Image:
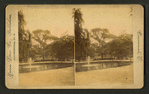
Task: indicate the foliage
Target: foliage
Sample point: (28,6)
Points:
(101,35)
(92,50)
(81,35)
(121,47)
(36,51)
(42,36)
(62,49)
(24,39)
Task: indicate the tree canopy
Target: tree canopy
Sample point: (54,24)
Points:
(61,49)
(41,36)
(120,47)
(101,35)
(24,39)
(81,35)
(80,45)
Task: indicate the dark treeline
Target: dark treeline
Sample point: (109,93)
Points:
(50,47)
(24,39)
(118,47)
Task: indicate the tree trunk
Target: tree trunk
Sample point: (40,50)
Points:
(102,56)
(43,54)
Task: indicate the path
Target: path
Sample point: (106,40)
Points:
(110,76)
(56,77)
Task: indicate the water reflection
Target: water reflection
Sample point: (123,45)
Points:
(41,67)
(80,67)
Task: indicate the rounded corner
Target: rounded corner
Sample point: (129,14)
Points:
(7,86)
(141,86)
(140,6)
(8,6)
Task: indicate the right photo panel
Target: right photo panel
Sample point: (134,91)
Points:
(103,45)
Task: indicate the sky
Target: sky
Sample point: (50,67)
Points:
(59,19)
(116,19)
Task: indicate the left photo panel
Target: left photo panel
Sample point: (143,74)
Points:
(45,46)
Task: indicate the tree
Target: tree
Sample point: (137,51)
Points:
(36,51)
(81,40)
(24,39)
(42,36)
(62,49)
(92,50)
(122,46)
(101,35)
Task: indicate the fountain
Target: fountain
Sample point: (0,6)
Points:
(30,63)
(88,58)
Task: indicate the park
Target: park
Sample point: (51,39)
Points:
(90,55)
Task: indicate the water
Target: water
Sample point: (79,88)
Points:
(44,66)
(81,67)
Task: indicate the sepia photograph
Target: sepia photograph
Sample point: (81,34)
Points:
(74,47)
(46,47)
(103,45)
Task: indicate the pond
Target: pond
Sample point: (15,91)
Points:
(43,66)
(81,67)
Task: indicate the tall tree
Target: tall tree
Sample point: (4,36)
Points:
(101,35)
(42,36)
(81,41)
(62,49)
(24,39)
(122,46)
